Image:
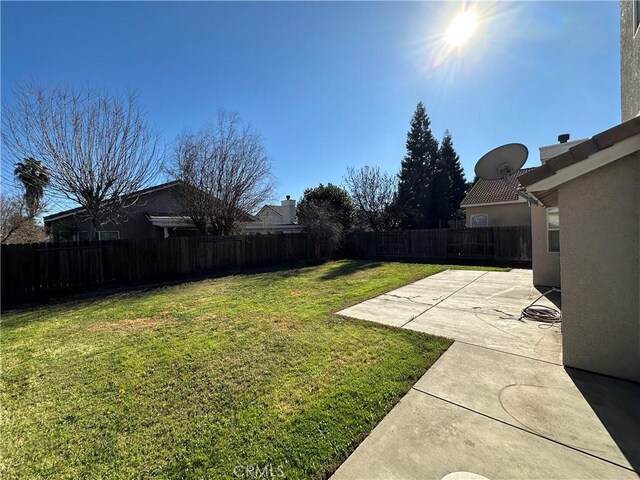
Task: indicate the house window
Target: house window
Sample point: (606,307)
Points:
(553,229)
(74,236)
(636,16)
(480,220)
(112,235)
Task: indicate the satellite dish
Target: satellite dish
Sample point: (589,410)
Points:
(502,161)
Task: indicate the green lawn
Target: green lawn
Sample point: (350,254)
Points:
(193,380)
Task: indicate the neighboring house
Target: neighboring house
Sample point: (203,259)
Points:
(595,185)
(490,203)
(157,214)
(275,218)
(154,215)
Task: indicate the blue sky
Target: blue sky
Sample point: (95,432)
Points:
(330,85)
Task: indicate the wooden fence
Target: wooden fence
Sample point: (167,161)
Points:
(503,244)
(39,269)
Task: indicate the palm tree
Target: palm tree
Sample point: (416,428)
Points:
(34,176)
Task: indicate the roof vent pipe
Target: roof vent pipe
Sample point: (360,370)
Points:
(563,138)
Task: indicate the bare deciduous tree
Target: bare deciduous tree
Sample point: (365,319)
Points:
(17,222)
(373,193)
(11,216)
(98,148)
(224,172)
(323,226)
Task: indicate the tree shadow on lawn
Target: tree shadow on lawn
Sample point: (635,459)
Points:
(87,297)
(349,267)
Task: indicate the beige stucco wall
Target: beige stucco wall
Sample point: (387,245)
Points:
(545,264)
(629,62)
(512,214)
(599,236)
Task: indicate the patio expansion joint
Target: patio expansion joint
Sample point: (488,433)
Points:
(441,300)
(510,353)
(522,429)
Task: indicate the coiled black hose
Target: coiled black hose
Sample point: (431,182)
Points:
(540,313)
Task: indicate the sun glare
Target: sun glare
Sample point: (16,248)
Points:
(461,28)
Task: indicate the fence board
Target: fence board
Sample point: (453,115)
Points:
(489,243)
(29,270)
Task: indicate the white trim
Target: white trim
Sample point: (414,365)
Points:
(173,221)
(510,202)
(271,228)
(109,231)
(599,159)
(552,229)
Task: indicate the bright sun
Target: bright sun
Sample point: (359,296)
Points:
(461,28)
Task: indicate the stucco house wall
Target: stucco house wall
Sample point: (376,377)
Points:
(601,269)
(629,61)
(545,264)
(510,214)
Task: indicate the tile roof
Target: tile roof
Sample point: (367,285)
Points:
(584,150)
(493,191)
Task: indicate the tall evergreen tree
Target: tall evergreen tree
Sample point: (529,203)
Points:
(451,162)
(416,171)
(438,204)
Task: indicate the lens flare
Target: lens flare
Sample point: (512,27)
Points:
(461,28)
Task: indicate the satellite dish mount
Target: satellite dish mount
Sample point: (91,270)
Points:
(502,163)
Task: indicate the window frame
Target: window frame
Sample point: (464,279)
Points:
(554,229)
(117,232)
(77,236)
(635,16)
(485,215)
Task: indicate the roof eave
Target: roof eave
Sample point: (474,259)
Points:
(546,181)
(623,137)
(144,191)
(489,204)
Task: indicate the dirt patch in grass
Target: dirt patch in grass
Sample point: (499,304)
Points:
(132,324)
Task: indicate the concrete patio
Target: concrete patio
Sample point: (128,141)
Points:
(498,403)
